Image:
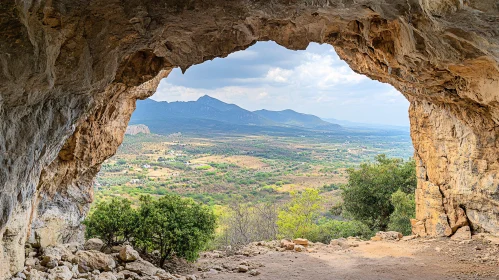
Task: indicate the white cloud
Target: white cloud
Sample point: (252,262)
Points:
(278,75)
(315,82)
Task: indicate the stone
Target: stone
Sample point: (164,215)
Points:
(126,274)
(462,233)
(94,260)
(387,236)
(142,267)
(254,272)
(301,241)
(128,254)
(242,268)
(60,273)
(299,248)
(107,276)
(288,245)
(37,275)
(93,244)
(64,110)
(73,247)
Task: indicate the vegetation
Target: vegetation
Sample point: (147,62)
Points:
(316,186)
(368,195)
(113,221)
(330,229)
(242,223)
(171,224)
(404,209)
(174,225)
(299,217)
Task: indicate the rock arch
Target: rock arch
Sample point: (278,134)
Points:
(72,70)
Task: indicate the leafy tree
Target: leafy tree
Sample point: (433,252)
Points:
(299,216)
(174,226)
(405,210)
(113,221)
(367,195)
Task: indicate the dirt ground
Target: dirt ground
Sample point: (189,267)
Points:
(414,259)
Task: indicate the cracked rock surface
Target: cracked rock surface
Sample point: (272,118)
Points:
(70,72)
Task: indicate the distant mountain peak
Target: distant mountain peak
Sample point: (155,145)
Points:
(207,108)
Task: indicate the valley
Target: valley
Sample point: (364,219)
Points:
(213,169)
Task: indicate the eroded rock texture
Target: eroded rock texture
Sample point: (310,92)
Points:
(70,72)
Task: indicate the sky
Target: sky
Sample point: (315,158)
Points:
(268,76)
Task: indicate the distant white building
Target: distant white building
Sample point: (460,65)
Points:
(146,166)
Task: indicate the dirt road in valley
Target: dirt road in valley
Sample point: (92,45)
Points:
(415,259)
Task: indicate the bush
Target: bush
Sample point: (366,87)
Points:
(333,229)
(174,226)
(405,210)
(299,216)
(367,196)
(113,221)
(242,223)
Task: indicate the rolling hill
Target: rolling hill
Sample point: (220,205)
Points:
(208,113)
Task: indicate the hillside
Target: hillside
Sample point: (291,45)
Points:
(208,113)
(292,118)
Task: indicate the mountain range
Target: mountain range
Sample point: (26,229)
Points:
(211,111)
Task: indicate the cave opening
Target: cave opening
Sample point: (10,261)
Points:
(70,76)
(256,127)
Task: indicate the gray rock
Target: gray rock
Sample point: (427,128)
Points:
(94,244)
(60,273)
(142,267)
(94,260)
(128,254)
(242,268)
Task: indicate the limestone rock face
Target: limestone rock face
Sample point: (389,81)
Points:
(71,71)
(136,129)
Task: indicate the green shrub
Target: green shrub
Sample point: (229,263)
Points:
(113,221)
(174,226)
(298,217)
(333,229)
(405,210)
(367,196)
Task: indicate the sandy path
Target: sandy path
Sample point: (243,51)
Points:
(372,260)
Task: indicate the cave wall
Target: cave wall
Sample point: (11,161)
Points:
(70,72)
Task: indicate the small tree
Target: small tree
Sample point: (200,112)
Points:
(405,209)
(367,196)
(174,226)
(113,221)
(299,216)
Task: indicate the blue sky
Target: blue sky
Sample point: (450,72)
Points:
(268,76)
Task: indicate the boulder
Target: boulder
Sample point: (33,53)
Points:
(288,245)
(60,273)
(254,272)
(107,276)
(93,244)
(242,268)
(301,241)
(36,275)
(142,267)
(462,233)
(73,247)
(128,254)
(299,248)
(387,236)
(91,260)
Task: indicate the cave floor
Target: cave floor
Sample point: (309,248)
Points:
(440,258)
